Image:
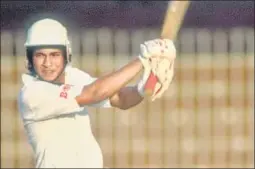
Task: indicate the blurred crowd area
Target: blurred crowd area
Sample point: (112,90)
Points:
(127,14)
(205,119)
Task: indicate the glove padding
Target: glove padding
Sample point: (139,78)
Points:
(163,69)
(157,56)
(158,48)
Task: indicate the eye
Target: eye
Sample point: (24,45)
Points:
(39,55)
(56,54)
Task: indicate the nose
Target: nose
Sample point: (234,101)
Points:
(47,61)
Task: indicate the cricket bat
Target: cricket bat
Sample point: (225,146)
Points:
(173,19)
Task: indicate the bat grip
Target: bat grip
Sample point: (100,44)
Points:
(150,84)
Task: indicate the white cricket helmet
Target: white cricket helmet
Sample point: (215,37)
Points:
(47,32)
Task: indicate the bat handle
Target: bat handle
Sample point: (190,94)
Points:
(150,84)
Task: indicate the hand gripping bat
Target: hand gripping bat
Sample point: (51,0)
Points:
(173,18)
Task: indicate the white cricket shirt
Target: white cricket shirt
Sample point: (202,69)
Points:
(58,129)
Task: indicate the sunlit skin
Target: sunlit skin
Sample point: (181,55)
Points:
(48,64)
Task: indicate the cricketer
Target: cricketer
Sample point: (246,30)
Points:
(55,95)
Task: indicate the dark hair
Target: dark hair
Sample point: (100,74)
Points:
(30,51)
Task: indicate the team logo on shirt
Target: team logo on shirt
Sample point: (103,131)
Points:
(64,91)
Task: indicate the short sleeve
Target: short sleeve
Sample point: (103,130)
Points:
(42,101)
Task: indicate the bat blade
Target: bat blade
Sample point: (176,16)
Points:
(173,19)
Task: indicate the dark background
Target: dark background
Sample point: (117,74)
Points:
(125,14)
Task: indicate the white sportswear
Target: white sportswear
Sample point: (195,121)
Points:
(58,129)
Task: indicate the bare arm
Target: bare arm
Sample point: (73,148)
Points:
(126,98)
(110,84)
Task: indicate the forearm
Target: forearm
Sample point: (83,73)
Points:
(106,86)
(126,98)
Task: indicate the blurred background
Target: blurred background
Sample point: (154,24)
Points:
(205,119)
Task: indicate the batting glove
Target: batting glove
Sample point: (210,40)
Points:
(157,56)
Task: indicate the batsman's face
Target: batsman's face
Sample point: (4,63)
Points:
(48,63)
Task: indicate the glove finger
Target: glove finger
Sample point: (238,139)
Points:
(171,66)
(161,91)
(170,73)
(161,69)
(157,88)
(153,48)
(165,85)
(169,49)
(149,49)
(158,48)
(152,42)
(154,65)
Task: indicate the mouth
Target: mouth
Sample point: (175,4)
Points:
(48,71)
